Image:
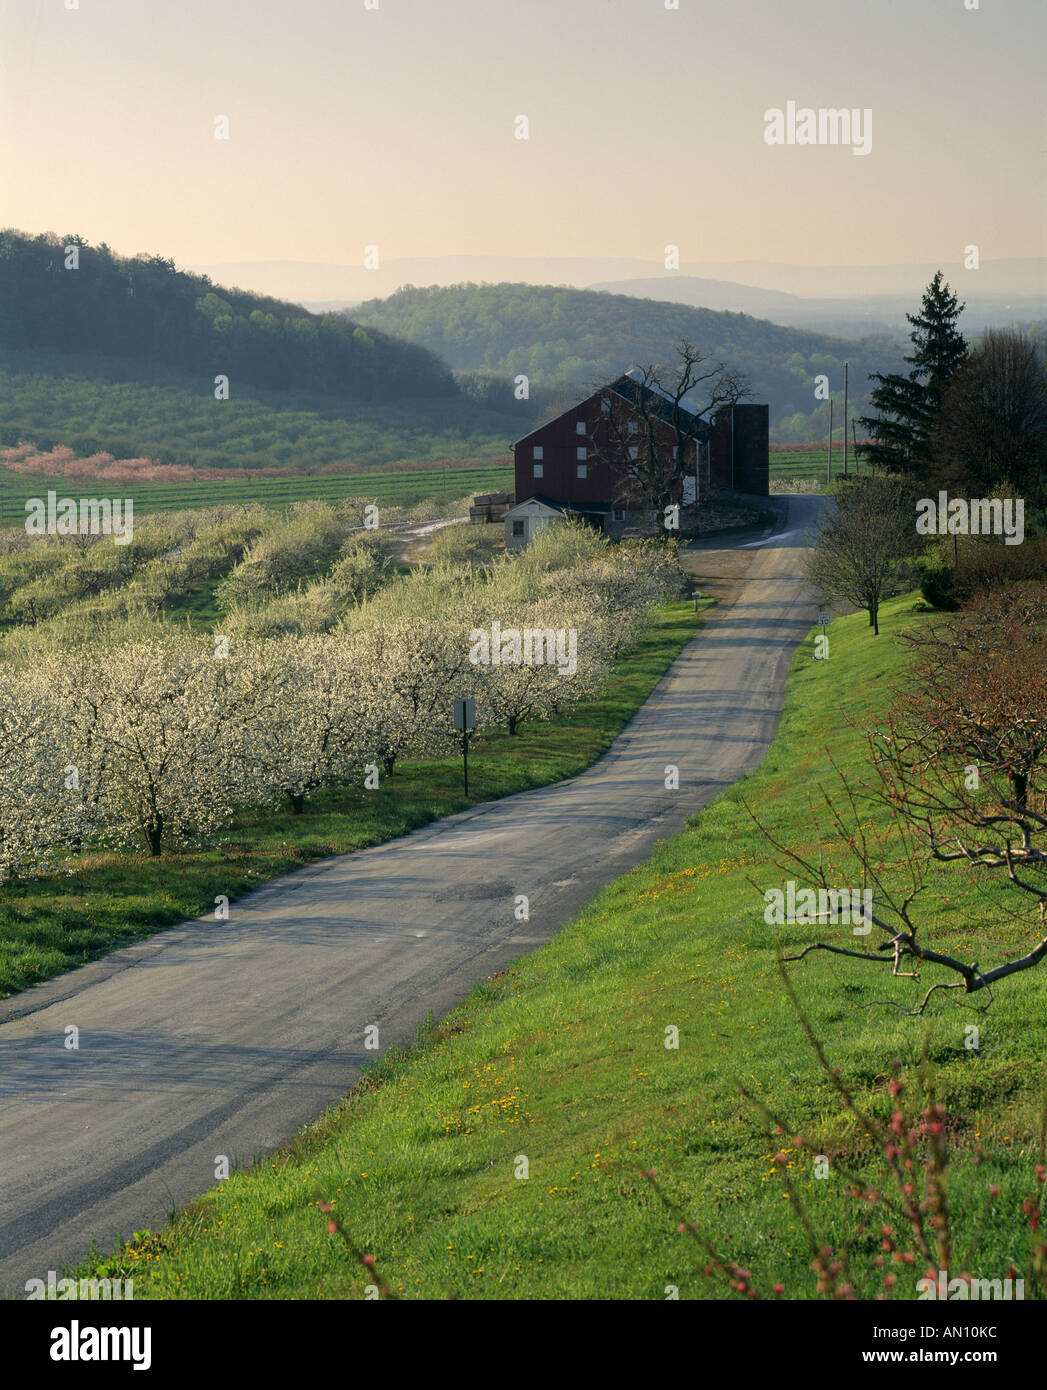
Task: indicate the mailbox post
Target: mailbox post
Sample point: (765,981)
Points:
(464,720)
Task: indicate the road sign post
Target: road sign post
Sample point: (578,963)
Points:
(464,720)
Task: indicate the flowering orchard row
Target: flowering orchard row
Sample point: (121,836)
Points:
(158,742)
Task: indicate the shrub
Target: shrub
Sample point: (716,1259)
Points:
(361,570)
(295,548)
(985,565)
(464,545)
(938,587)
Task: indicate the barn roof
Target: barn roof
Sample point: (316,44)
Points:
(659,402)
(631,387)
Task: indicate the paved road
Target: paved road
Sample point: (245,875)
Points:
(222,1038)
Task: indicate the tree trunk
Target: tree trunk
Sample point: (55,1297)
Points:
(297,800)
(154,835)
(1020,783)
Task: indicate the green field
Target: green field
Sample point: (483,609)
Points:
(402,488)
(794,464)
(395,487)
(140,410)
(561,1059)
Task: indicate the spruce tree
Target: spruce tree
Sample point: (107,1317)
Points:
(908,406)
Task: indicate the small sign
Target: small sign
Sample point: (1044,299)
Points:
(464,714)
(824,618)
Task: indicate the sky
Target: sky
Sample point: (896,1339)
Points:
(395,127)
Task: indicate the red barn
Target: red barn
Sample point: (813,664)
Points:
(577,462)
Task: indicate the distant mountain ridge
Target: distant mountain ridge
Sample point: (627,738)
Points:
(845,317)
(349,282)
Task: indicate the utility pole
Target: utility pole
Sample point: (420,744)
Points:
(854,436)
(829,474)
(845,365)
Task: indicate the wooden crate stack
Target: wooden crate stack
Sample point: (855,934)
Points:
(490,506)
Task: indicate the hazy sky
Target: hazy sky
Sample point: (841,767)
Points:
(395,127)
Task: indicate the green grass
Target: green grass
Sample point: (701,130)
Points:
(402,488)
(52,924)
(561,1059)
(796,464)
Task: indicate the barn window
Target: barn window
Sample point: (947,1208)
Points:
(538,452)
(539,470)
(634,452)
(579,427)
(619,514)
(633,427)
(519,528)
(583,470)
(605,406)
(582,455)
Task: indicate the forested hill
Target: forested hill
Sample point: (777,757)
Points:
(144,310)
(565,338)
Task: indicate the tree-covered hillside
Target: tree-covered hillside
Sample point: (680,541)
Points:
(565,338)
(119,357)
(142,308)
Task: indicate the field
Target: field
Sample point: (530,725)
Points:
(394,487)
(400,487)
(562,1060)
(170,416)
(807,461)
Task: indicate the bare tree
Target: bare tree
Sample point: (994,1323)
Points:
(961,770)
(865,535)
(651,435)
(981,687)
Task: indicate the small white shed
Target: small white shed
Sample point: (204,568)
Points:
(526,519)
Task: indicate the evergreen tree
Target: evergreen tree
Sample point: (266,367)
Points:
(908,406)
